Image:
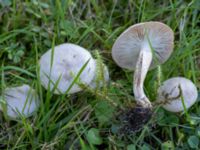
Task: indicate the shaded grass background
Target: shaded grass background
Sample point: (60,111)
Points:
(28,29)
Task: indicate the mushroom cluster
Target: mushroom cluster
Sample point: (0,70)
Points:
(59,68)
(142,47)
(67,67)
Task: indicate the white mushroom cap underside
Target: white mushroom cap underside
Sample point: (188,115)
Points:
(126,48)
(68,60)
(22,99)
(170,88)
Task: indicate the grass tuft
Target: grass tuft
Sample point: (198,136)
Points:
(29,28)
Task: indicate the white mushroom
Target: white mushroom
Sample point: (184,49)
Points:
(140,47)
(19,101)
(68,60)
(176,90)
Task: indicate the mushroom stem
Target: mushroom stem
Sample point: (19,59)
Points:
(142,67)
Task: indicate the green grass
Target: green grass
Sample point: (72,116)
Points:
(86,120)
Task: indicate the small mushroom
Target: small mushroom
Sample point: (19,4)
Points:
(140,47)
(174,91)
(68,59)
(19,101)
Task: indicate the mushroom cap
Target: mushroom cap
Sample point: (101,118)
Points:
(22,99)
(68,59)
(170,89)
(106,77)
(128,45)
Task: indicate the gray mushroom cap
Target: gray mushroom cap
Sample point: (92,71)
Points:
(68,59)
(126,48)
(21,100)
(170,92)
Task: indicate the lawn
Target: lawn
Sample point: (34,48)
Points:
(88,120)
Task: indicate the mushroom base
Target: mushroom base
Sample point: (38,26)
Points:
(134,119)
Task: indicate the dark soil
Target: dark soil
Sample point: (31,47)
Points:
(134,119)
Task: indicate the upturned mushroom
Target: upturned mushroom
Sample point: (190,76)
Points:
(140,47)
(177,93)
(19,101)
(63,65)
